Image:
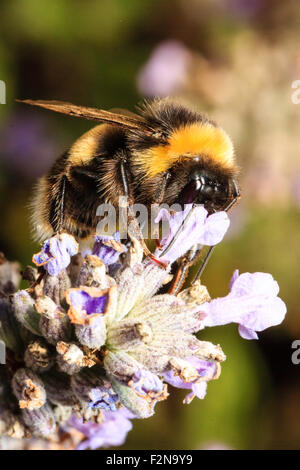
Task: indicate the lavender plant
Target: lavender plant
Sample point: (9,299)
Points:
(92,344)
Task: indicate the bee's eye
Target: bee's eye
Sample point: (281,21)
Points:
(190,192)
(201,189)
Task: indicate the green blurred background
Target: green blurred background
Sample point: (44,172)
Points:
(235,60)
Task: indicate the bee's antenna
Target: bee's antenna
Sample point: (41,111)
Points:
(209,253)
(203,264)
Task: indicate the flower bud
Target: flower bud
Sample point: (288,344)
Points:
(9,333)
(183,369)
(135,253)
(209,351)
(58,388)
(54,322)
(41,421)
(94,389)
(38,356)
(120,365)
(138,388)
(56,286)
(93,273)
(28,389)
(74,268)
(71,359)
(140,407)
(25,313)
(129,334)
(196,294)
(88,303)
(92,335)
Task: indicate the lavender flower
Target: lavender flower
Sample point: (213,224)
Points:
(92,388)
(112,432)
(145,383)
(252,303)
(199,228)
(87,303)
(197,383)
(56,253)
(101,345)
(145,333)
(108,248)
(88,306)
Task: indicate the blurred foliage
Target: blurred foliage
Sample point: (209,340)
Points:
(239,63)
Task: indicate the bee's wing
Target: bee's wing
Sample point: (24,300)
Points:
(93,114)
(130,114)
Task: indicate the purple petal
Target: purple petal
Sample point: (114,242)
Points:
(83,301)
(199,390)
(234,278)
(56,253)
(112,432)
(258,283)
(108,248)
(87,302)
(145,383)
(215,227)
(43,256)
(206,370)
(103,398)
(252,303)
(198,229)
(247,333)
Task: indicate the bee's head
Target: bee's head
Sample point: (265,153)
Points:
(194,153)
(201,183)
(212,189)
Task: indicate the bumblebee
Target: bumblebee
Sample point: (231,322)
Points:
(166,154)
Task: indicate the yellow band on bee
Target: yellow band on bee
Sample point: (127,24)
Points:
(188,142)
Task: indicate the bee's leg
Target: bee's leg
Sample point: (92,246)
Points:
(158,199)
(129,202)
(131,216)
(183,267)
